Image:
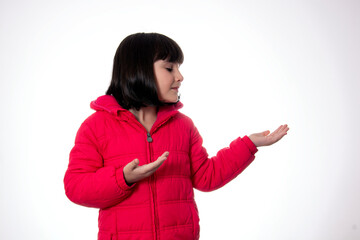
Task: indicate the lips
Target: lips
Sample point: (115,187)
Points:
(175,88)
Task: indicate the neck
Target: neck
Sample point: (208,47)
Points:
(146,116)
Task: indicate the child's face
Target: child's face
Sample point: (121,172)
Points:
(168,80)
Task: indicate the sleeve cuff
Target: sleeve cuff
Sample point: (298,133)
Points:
(253,149)
(121,180)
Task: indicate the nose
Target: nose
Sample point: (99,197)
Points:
(178,76)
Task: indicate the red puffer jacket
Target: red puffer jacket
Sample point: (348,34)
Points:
(161,206)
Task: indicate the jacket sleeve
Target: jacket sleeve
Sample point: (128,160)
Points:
(209,174)
(87,182)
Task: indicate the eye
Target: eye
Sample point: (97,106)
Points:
(169,69)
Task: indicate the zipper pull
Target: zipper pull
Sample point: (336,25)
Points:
(149,138)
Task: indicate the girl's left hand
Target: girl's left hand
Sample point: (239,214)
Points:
(264,139)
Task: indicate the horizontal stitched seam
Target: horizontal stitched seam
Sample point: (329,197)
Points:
(149,231)
(166,202)
(135,155)
(176,226)
(126,154)
(130,206)
(129,232)
(172,176)
(174,150)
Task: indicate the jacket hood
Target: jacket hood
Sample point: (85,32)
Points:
(109,104)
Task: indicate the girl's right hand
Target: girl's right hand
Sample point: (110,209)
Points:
(134,173)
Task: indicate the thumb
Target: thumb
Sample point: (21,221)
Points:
(134,163)
(265,133)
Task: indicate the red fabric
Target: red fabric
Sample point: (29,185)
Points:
(161,206)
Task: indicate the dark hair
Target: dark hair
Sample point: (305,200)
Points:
(133,82)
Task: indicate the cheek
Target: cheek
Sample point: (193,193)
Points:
(162,92)
(161,88)
(164,86)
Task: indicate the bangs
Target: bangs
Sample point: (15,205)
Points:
(167,49)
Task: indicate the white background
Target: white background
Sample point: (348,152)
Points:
(249,66)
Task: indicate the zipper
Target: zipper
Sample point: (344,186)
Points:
(153,189)
(149,138)
(156,216)
(152,180)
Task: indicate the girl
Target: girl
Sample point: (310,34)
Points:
(137,158)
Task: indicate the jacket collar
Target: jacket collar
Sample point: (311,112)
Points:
(109,104)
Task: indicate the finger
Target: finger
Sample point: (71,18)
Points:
(278,134)
(153,166)
(262,134)
(133,164)
(165,154)
(160,160)
(284,129)
(281,133)
(277,130)
(150,168)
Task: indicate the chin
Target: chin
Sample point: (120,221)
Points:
(171,100)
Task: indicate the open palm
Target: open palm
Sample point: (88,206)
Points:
(267,139)
(134,173)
